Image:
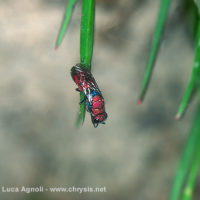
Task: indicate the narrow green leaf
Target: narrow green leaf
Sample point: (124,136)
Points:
(87,32)
(191,15)
(161,19)
(190,183)
(65,21)
(188,162)
(81,114)
(193,79)
(186,158)
(86,44)
(198,4)
(189,188)
(198,82)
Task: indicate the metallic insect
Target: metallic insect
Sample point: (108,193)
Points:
(93,97)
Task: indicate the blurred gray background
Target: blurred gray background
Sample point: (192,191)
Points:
(136,153)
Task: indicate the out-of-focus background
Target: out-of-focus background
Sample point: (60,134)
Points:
(136,153)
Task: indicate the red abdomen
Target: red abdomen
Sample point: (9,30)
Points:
(97,105)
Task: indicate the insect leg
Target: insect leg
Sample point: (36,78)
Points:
(95,125)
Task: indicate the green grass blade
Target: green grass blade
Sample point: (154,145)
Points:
(191,15)
(198,82)
(190,183)
(81,114)
(162,16)
(186,159)
(189,188)
(193,79)
(65,21)
(198,4)
(87,32)
(86,44)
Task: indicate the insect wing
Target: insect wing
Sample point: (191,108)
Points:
(85,78)
(91,82)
